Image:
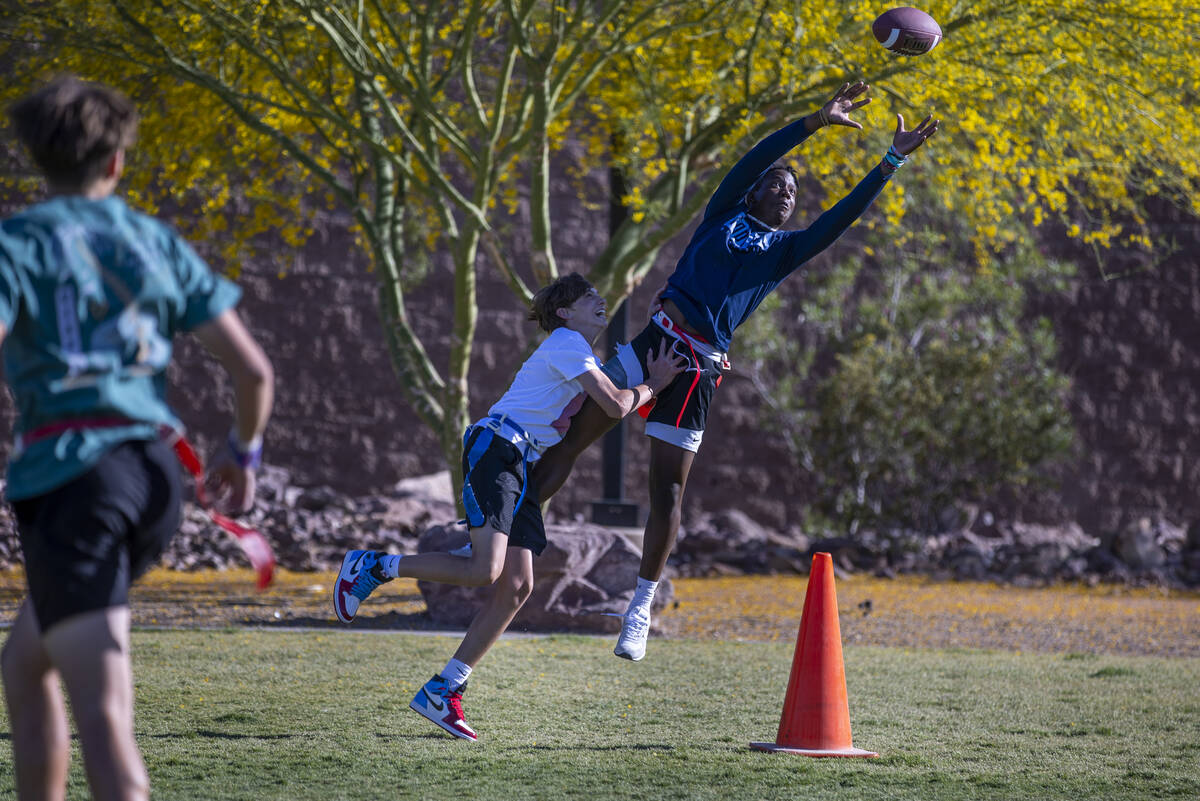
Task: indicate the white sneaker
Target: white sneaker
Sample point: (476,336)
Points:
(631,644)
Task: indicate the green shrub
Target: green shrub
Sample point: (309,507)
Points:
(908,384)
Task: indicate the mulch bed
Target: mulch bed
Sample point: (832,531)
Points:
(902,612)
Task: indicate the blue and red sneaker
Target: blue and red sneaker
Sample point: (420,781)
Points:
(443,706)
(358,578)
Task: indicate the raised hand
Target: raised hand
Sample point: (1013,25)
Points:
(906,142)
(837,110)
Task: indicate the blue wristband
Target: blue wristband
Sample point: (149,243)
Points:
(245,458)
(894,158)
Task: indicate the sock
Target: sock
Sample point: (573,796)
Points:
(643,595)
(390,565)
(455,673)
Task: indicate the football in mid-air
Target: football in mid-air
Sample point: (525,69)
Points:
(907,31)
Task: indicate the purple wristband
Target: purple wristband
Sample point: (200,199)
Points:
(251,458)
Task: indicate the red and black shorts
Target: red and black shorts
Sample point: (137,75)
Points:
(85,542)
(678,414)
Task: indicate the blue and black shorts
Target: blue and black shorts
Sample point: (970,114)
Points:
(498,489)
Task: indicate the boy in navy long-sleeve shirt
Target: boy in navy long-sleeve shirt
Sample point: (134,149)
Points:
(735,258)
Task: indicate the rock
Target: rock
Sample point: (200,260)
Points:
(729,538)
(968,562)
(738,528)
(787,552)
(316,499)
(1136,544)
(311,528)
(413,514)
(1102,562)
(584,572)
(433,487)
(1074,569)
(848,553)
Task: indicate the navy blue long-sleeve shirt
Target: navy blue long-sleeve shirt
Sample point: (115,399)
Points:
(733,261)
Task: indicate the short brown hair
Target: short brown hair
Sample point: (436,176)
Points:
(72,128)
(557,295)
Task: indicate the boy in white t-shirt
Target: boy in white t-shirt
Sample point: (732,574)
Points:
(502,510)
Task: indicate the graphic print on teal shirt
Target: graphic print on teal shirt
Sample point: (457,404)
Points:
(91,294)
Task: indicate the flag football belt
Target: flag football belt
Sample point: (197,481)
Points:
(251,541)
(695,343)
(510,431)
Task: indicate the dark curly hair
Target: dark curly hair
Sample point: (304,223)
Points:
(559,294)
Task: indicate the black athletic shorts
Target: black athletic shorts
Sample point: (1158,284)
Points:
(498,489)
(679,413)
(85,542)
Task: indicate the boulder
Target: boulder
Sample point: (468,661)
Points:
(1136,544)
(585,572)
(730,542)
(433,487)
(967,561)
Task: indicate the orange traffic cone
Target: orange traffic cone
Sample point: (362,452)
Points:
(816,714)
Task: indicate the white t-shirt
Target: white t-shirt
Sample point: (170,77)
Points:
(545,393)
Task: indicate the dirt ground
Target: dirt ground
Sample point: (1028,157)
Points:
(904,612)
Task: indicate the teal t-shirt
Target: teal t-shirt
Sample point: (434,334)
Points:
(91,294)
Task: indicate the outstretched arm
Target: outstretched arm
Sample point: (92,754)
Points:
(803,245)
(742,176)
(905,142)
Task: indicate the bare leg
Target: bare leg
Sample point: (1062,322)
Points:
(36,712)
(509,594)
(480,569)
(91,652)
(587,426)
(669,468)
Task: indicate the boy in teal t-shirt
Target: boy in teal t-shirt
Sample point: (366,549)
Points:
(91,294)
(128,283)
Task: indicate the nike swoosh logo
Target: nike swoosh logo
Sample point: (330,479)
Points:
(356,566)
(438,705)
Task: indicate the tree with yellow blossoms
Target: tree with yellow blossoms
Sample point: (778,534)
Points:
(426,124)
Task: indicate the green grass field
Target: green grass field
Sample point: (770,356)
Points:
(255,714)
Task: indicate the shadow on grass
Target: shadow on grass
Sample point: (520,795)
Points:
(209,734)
(434,735)
(416,621)
(427,737)
(599,748)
